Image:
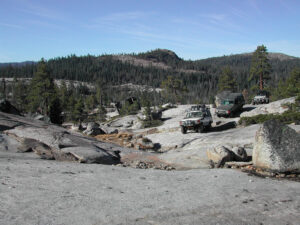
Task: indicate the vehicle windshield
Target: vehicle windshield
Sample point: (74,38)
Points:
(261,94)
(228,102)
(195,107)
(194,114)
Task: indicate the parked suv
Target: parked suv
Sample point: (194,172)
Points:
(231,104)
(196,120)
(262,97)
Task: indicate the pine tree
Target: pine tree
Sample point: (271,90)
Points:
(55,111)
(64,95)
(260,66)
(173,87)
(227,81)
(293,83)
(19,91)
(290,87)
(42,90)
(90,102)
(78,111)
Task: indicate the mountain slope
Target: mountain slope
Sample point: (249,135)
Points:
(151,68)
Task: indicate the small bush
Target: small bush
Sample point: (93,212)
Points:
(286,117)
(151,123)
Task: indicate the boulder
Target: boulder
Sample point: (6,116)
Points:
(109,130)
(276,147)
(93,129)
(76,127)
(241,154)
(220,155)
(145,144)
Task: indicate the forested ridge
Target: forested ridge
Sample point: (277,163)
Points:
(199,76)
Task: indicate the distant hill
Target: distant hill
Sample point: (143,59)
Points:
(17,64)
(152,67)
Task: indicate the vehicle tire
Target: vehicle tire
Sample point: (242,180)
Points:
(183,130)
(200,129)
(208,127)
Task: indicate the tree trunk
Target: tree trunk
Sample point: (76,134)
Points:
(261,86)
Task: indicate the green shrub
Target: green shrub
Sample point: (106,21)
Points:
(151,123)
(286,117)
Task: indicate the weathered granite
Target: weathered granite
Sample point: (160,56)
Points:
(277,147)
(54,142)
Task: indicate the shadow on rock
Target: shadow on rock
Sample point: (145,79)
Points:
(166,118)
(225,126)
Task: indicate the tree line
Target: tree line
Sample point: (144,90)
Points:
(183,81)
(201,83)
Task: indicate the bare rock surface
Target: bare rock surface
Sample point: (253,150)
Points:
(273,107)
(277,147)
(53,142)
(34,191)
(189,150)
(124,122)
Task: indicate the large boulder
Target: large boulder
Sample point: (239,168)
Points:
(276,147)
(220,155)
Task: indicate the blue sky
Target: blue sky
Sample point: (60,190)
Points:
(194,29)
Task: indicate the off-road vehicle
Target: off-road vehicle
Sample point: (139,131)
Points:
(231,104)
(262,97)
(196,120)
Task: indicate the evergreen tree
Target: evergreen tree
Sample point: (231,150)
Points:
(90,102)
(41,91)
(290,87)
(102,113)
(3,89)
(55,111)
(260,66)
(64,95)
(293,83)
(99,92)
(226,81)
(71,108)
(19,91)
(78,112)
(173,88)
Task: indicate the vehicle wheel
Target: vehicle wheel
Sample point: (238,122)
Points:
(183,130)
(200,129)
(208,127)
